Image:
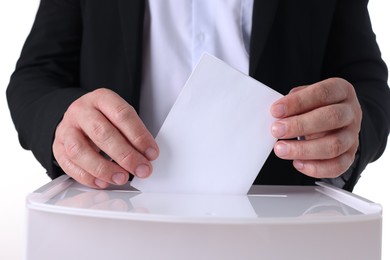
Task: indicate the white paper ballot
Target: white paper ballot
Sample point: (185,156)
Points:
(217,135)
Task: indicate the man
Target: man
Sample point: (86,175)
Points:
(88,67)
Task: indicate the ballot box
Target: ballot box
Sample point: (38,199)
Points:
(66,220)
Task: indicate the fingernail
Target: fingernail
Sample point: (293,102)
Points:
(100,183)
(281,149)
(278,110)
(142,171)
(151,154)
(278,129)
(119,178)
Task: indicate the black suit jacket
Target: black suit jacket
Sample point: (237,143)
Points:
(76,46)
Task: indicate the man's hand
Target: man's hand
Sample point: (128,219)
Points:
(328,115)
(102,123)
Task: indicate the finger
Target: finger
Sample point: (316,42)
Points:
(320,94)
(316,121)
(73,170)
(114,144)
(125,118)
(326,147)
(79,152)
(84,114)
(326,168)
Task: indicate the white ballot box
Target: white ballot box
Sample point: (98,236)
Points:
(69,221)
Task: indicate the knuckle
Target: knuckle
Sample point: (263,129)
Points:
(299,103)
(80,175)
(100,92)
(129,159)
(336,147)
(300,151)
(101,170)
(335,116)
(83,177)
(75,107)
(123,113)
(349,89)
(126,158)
(67,165)
(299,127)
(141,138)
(101,131)
(323,93)
(75,172)
(73,149)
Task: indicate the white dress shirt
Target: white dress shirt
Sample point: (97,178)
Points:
(176,34)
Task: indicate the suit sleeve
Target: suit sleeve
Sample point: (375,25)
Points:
(45,81)
(354,55)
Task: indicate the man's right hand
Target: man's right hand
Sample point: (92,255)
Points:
(101,122)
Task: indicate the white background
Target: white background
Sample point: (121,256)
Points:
(21,174)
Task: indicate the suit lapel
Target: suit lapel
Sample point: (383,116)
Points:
(263,15)
(132,17)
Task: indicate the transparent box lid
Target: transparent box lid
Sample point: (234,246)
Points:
(320,203)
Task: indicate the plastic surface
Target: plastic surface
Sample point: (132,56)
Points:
(123,223)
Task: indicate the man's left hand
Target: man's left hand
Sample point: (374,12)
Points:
(327,115)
